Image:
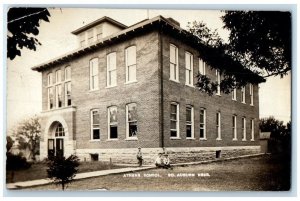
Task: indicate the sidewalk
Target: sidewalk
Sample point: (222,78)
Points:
(78,176)
(85,175)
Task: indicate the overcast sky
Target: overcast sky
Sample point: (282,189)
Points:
(24,97)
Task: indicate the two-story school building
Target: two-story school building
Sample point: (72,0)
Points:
(129,87)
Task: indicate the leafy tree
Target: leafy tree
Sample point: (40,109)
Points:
(15,163)
(260,39)
(61,170)
(259,46)
(280,139)
(28,134)
(9,143)
(23,25)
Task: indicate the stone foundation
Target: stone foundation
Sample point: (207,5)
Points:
(177,155)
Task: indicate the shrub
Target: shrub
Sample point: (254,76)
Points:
(62,170)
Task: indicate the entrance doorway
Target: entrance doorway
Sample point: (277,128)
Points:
(56,143)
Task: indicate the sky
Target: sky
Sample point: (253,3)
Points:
(24,96)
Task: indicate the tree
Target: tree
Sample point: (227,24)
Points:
(15,163)
(23,25)
(260,40)
(9,143)
(280,134)
(259,46)
(28,134)
(61,170)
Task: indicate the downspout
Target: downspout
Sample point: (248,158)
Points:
(161,88)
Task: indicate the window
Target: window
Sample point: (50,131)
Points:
(90,36)
(50,91)
(95,124)
(131,120)
(49,79)
(50,98)
(58,76)
(68,100)
(188,69)
(68,86)
(202,67)
(130,64)
(58,92)
(82,39)
(174,63)
(58,96)
(68,73)
(234,94)
(244,129)
(174,120)
(218,125)
(99,32)
(59,131)
(243,95)
(252,129)
(234,131)
(112,122)
(189,122)
(218,80)
(251,94)
(94,71)
(111,70)
(202,124)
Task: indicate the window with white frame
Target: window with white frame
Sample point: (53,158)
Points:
(218,125)
(202,67)
(174,120)
(130,54)
(234,128)
(188,69)
(58,92)
(174,71)
(189,122)
(131,120)
(218,80)
(94,74)
(59,131)
(243,95)
(82,39)
(68,101)
(251,94)
(252,129)
(244,129)
(111,70)
(50,91)
(90,34)
(233,94)
(99,32)
(95,124)
(202,124)
(112,122)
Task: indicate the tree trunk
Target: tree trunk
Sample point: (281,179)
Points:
(63,185)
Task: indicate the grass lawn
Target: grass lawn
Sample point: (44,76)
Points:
(39,171)
(265,173)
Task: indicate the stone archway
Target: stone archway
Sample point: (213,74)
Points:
(56,137)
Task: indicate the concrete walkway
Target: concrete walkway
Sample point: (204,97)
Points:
(78,176)
(85,175)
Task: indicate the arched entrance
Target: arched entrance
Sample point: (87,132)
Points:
(56,140)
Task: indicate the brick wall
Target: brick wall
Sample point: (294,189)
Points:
(186,95)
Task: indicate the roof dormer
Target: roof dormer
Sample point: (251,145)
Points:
(97,30)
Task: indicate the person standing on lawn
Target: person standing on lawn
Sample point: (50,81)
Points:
(139,157)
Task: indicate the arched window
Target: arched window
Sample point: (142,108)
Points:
(59,131)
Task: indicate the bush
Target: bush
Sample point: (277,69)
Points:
(16,162)
(61,170)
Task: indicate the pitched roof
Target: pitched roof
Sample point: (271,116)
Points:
(99,21)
